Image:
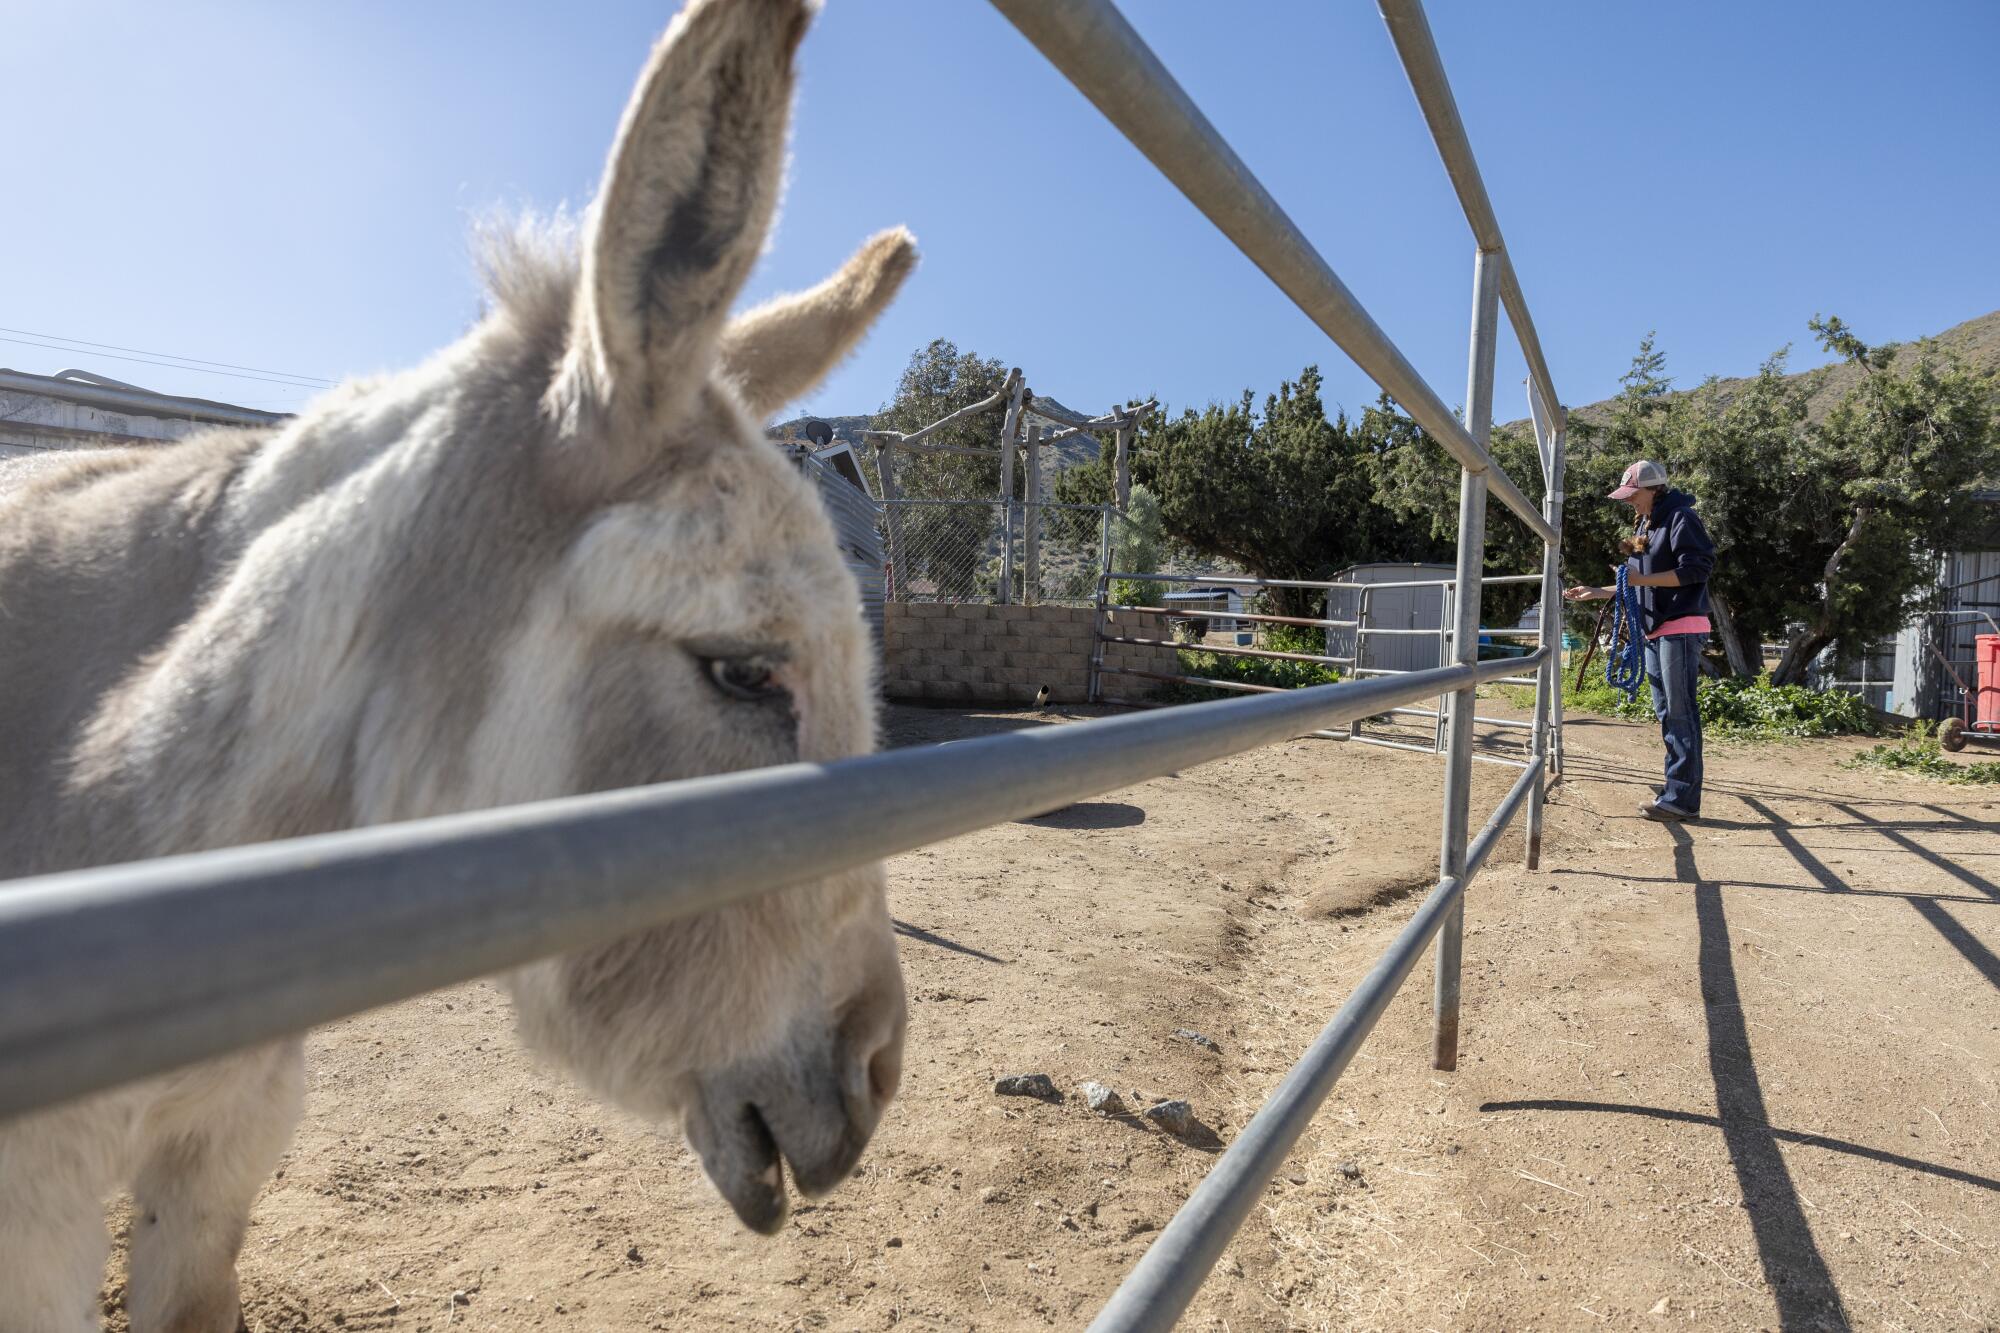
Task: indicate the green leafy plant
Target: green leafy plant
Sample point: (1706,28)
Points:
(1277,672)
(1735,709)
(1136,542)
(1918,752)
(1759,709)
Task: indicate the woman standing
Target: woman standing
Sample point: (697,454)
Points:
(1669,563)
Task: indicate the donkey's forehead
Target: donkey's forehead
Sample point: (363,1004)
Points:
(738,536)
(726,499)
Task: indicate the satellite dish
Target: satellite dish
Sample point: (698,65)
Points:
(819,433)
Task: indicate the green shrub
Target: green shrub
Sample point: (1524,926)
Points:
(1757,708)
(1734,708)
(1131,592)
(1918,752)
(1295,639)
(1272,671)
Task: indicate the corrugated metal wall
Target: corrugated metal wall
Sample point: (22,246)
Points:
(1966,617)
(1390,608)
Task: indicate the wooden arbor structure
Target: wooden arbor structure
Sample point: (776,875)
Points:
(1018,439)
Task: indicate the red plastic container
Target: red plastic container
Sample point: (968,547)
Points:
(1986,648)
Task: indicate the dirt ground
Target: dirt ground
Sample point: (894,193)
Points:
(1741,1075)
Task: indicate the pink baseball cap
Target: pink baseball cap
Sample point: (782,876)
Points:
(1640,475)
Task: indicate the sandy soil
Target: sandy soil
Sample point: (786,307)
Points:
(1740,1076)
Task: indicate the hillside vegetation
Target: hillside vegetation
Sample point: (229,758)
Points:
(1976,340)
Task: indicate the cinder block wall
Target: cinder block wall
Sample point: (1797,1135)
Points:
(975,653)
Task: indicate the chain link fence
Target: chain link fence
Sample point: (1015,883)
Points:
(1060,551)
(992,551)
(943,550)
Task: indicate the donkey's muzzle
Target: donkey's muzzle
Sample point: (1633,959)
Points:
(811,1106)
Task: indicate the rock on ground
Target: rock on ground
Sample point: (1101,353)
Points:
(1027,1085)
(1175,1116)
(1101,1099)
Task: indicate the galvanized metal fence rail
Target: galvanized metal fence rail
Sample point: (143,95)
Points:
(112,974)
(1110,633)
(116,973)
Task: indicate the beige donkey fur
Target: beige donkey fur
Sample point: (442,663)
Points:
(557,558)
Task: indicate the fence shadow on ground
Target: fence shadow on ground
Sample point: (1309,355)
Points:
(908,931)
(1622,773)
(1794,1269)
(1777,886)
(1793,1266)
(1930,907)
(1090,815)
(1799,1137)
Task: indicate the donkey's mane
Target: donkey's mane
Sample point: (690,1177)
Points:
(528,263)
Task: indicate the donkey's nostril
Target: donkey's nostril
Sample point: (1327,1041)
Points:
(885,1071)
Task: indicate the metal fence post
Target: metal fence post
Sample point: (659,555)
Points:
(1361,609)
(1548,678)
(1549,622)
(892,516)
(1447,602)
(1560,454)
(1465,639)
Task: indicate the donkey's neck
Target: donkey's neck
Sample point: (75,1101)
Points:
(105,553)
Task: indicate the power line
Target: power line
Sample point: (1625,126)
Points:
(170,365)
(172,356)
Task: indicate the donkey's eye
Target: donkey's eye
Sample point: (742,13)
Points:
(751,679)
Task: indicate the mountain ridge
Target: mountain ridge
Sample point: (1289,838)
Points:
(1976,339)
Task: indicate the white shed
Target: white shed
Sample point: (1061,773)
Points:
(1398,608)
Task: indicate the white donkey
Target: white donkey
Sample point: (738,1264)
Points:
(558,558)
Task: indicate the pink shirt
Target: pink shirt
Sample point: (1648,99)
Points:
(1683,625)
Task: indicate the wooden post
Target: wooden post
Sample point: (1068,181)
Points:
(1123,475)
(1008,428)
(1031,526)
(892,514)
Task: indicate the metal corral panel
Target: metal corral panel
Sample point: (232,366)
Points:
(1390,608)
(857,522)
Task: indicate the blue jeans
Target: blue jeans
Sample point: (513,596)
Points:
(1672,666)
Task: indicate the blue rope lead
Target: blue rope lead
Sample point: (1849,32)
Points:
(1625,663)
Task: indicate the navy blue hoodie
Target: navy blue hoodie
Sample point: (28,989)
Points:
(1676,540)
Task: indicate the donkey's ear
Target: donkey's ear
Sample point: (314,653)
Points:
(686,200)
(780,350)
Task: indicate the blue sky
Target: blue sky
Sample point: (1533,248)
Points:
(290,187)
